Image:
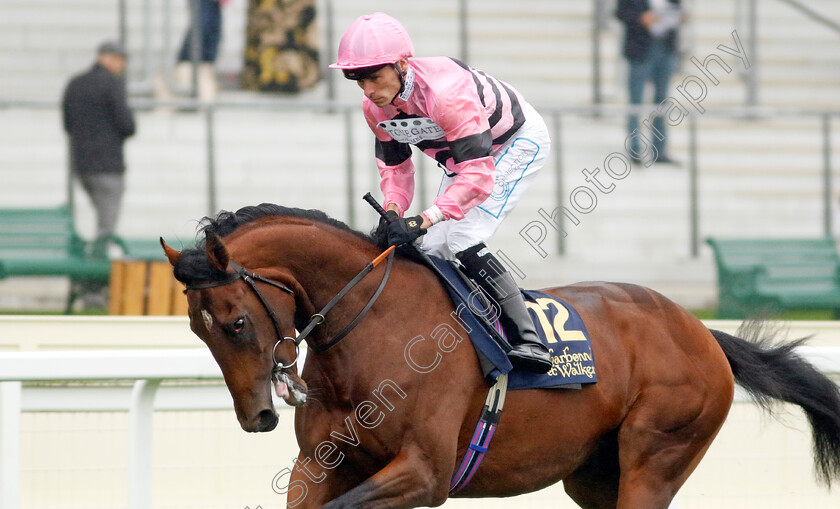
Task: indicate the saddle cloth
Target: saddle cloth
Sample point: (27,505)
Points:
(558,324)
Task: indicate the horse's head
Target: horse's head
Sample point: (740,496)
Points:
(246,320)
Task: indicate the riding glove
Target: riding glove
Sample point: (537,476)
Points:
(404,230)
(380,236)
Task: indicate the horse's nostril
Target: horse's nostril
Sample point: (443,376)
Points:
(267,420)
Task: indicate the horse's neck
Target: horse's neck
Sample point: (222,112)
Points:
(371,360)
(371,352)
(322,265)
(322,260)
(322,273)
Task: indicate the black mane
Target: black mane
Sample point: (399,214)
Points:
(227,222)
(193,266)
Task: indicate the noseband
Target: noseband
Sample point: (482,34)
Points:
(251,278)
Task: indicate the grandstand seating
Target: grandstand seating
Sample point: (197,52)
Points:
(757,175)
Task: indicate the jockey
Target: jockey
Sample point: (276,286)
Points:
(489,142)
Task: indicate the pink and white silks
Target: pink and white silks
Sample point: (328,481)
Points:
(490,142)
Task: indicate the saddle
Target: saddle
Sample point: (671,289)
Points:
(558,324)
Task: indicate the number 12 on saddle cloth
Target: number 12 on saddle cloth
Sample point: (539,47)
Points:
(558,324)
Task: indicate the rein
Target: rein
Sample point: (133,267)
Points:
(251,278)
(319,317)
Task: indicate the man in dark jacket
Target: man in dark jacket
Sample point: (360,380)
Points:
(650,46)
(98,120)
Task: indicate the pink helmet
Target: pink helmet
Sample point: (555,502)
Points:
(373,40)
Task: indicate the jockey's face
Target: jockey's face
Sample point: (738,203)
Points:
(382,86)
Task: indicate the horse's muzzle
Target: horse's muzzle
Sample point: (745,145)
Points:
(266,421)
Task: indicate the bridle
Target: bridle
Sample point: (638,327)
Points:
(251,278)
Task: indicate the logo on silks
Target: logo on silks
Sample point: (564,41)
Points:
(412,130)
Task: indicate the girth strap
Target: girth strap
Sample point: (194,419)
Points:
(482,436)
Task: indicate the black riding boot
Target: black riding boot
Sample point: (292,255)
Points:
(528,351)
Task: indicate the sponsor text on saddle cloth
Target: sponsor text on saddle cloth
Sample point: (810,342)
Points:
(558,324)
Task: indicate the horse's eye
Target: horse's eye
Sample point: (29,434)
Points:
(238,325)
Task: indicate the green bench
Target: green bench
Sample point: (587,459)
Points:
(763,276)
(44,242)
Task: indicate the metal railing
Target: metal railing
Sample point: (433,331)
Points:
(748,113)
(814,15)
(555,115)
(746,16)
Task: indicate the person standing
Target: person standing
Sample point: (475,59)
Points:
(650,47)
(210,34)
(488,140)
(97,120)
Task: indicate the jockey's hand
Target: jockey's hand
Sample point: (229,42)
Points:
(404,230)
(382,229)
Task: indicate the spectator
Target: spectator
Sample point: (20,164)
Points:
(650,46)
(97,120)
(210,28)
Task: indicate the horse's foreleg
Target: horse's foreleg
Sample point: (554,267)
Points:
(307,488)
(408,481)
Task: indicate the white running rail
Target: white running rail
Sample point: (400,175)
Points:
(147,368)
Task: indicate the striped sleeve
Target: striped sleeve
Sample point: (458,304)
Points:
(393,160)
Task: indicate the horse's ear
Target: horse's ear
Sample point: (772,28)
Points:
(216,252)
(170,252)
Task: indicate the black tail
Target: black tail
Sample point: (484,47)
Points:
(776,372)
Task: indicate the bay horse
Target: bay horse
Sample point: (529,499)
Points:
(376,432)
